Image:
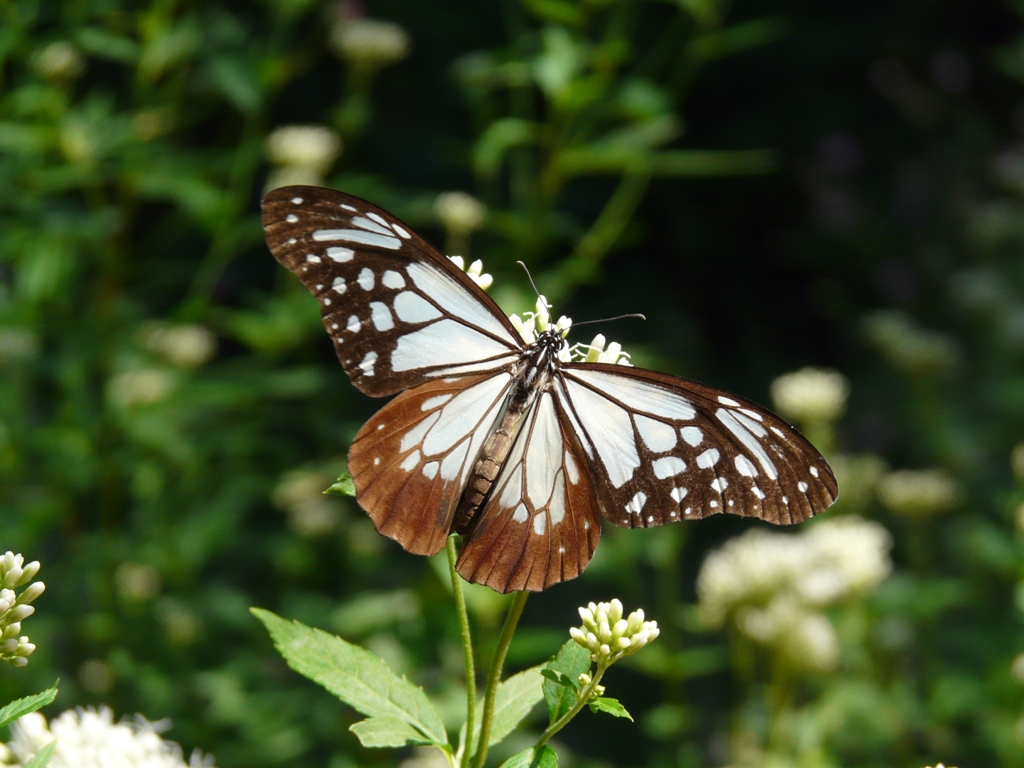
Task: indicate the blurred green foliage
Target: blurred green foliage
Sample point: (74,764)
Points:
(170,410)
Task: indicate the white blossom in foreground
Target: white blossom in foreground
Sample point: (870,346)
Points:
(89,738)
(608,636)
(15,608)
(811,394)
(139,386)
(186,346)
(459,212)
(475,271)
(918,492)
(772,586)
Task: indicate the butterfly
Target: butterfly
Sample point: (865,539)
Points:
(504,441)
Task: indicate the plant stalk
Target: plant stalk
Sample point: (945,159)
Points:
(581,701)
(494,678)
(467,645)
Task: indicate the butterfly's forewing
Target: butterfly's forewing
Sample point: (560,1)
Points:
(666,449)
(399,312)
(411,461)
(540,523)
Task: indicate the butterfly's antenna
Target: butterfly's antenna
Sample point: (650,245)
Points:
(529,277)
(609,319)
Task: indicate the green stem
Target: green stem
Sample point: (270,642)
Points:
(494,677)
(467,646)
(581,702)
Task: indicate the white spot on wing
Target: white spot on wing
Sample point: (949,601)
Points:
(742,428)
(719,484)
(339,285)
(752,414)
(430,469)
(348,207)
(657,435)
(445,342)
(432,402)
(636,504)
(368,362)
(463,414)
(678,494)
(393,280)
(415,435)
(452,463)
(410,461)
(639,395)
(745,466)
(521,514)
(381,316)
(378,218)
(291,218)
(456,299)
(413,308)
(668,467)
(358,236)
(814,471)
(371,226)
(366,279)
(708,459)
(727,401)
(312,258)
(539,523)
(571,469)
(353,324)
(401,231)
(692,435)
(297,200)
(340,255)
(542,452)
(610,429)
(556,506)
(758,492)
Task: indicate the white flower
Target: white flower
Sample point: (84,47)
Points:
(608,636)
(89,738)
(773,586)
(300,494)
(1017,669)
(15,648)
(139,386)
(310,147)
(370,43)
(811,394)
(1017,462)
(475,271)
(597,352)
(918,492)
(186,346)
(459,212)
(137,582)
(60,60)
(17,344)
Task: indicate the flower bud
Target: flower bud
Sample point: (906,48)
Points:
(31,593)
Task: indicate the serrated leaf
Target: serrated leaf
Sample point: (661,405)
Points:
(515,698)
(21,707)
(572,660)
(387,732)
(343,486)
(545,757)
(609,705)
(356,676)
(42,757)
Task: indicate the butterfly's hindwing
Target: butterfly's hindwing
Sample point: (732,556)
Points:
(412,460)
(399,312)
(666,449)
(539,525)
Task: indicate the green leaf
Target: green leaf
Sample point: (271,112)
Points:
(609,705)
(21,707)
(42,757)
(108,45)
(559,11)
(497,139)
(558,677)
(343,486)
(515,698)
(614,159)
(546,757)
(387,732)
(571,661)
(353,674)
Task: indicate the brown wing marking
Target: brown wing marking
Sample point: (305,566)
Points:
(539,525)
(411,461)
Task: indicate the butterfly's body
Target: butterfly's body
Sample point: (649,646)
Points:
(530,376)
(506,441)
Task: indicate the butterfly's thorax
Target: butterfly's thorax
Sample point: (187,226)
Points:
(530,376)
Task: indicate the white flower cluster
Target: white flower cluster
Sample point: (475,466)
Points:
(811,394)
(15,608)
(301,154)
(300,495)
(475,271)
(773,586)
(186,346)
(459,212)
(139,386)
(608,636)
(533,324)
(370,43)
(918,493)
(88,738)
